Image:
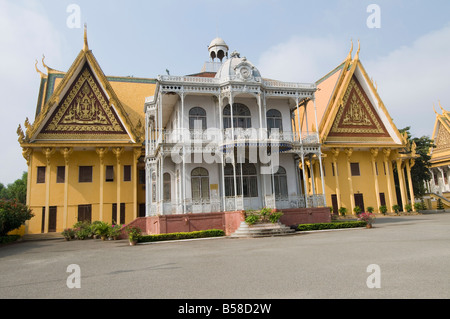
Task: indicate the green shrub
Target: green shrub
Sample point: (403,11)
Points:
(370,209)
(357,210)
(265,215)
(8,239)
(383,209)
(408,208)
(396,208)
(182,235)
(342,211)
(336,225)
(13,215)
(439,204)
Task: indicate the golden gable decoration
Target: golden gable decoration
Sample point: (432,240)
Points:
(442,139)
(357,115)
(85,109)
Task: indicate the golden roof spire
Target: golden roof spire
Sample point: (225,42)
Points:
(37,70)
(351,50)
(357,52)
(86,46)
(444,111)
(435,109)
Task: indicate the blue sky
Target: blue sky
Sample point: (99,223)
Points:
(287,40)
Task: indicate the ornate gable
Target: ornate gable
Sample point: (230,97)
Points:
(442,139)
(84,112)
(357,116)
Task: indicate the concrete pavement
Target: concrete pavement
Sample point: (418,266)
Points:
(412,254)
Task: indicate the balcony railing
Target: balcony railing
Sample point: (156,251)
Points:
(233,203)
(233,135)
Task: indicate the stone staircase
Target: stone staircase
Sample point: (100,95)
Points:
(262,230)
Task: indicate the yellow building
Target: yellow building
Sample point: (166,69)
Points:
(360,143)
(439,186)
(84,148)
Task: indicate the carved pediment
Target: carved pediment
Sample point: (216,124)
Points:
(84,110)
(356,115)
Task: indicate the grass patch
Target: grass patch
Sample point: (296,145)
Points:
(333,225)
(185,235)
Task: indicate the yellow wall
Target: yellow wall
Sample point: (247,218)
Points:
(363,184)
(82,193)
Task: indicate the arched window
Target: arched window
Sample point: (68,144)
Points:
(166,187)
(274,120)
(241,116)
(249,182)
(197,118)
(280,181)
(200,183)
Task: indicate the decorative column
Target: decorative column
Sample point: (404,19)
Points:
(101,151)
(387,153)
(335,152)
(48,153)
(118,151)
(374,154)
(401,182)
(136,155)
(27,154)
(349,152)
(411,189)
(66,151)
(320,152)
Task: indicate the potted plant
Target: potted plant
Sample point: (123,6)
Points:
(114,231)
(102,229)
(396,208)
(370,209)
(369,218)
(383,209)
(68,233)
(357,210)
(134,233)
(342,211)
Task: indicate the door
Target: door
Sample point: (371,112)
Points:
(122,214)
(359,201)
(52,219)
(334,203)
(382,199)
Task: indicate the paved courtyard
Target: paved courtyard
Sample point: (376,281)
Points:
(411,255)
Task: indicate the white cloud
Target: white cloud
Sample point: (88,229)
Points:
(410,79)
(302,59)
(413,78)
(27,34)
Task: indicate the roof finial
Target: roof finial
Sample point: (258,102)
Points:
(441,106)
(435,110)
(357,52)
(37,70)
(86,46)
(351,50)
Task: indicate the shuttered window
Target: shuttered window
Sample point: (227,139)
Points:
(355,169)
(40,174)
(85,174)
(109,174)
(61,174)
(127,173)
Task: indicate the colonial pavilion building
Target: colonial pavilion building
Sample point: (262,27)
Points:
(187,152)
(225,139)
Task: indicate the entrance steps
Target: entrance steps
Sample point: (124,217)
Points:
(262,230)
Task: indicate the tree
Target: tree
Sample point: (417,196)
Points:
(420,173)
(16,190)
(13,215)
